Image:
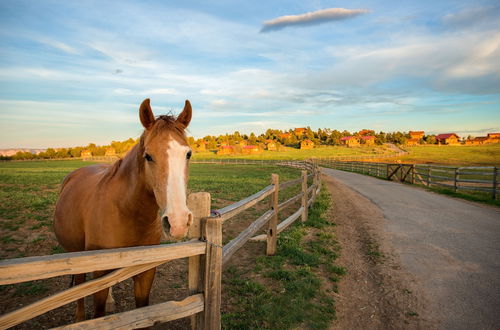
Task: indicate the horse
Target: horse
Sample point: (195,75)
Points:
(132,202)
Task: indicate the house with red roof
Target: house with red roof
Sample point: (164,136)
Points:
(350,141)
(448,138)
(225,150)
(369,139)
(251,149)
(306,144)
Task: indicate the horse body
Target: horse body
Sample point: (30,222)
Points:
(111,206)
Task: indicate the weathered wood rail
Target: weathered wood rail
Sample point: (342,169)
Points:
(205,253)
(467,179)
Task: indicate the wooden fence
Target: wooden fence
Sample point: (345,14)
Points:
(205,252)
(467,179)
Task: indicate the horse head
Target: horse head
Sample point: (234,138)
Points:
(164,158)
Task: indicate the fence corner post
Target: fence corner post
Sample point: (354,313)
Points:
(272,230)
(199,204)
(304,196)
(213,273)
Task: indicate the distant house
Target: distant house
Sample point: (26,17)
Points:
(415,138)
(271,145)
(306,144)
(225,150)
(242,143)
(477,140)
(285,135)
(300,131)
(369,139)
(86,153)
(110,152)
(493,137)
(417,134)
(200,146)
(448,138)
(350,141)
(251,150)
(364,132)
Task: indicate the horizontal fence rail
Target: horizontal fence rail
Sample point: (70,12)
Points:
(469,178)
(205,252)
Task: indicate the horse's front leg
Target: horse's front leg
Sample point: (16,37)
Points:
(100,297)
(142,287)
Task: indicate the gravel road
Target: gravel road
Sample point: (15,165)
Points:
(451,246)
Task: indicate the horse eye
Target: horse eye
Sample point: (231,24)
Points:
(188,156)
(148,157)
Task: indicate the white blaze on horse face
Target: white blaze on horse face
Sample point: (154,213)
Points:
(179,216)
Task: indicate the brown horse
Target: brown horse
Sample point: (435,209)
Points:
(111,206)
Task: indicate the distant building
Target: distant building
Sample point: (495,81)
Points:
(86,153)
(448,138)
(110,152)
(300,131)
(477,140)
(306,144)
(251,150)
(201,146)
(493,137)
(364,132)
(242,143)
(285,135)
(369,139)
(271,145)
(417,134)
(350,141)
(225,150)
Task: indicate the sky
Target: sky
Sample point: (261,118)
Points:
(75,72)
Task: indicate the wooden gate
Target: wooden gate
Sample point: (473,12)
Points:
(401,172)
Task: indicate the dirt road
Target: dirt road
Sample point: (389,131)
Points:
(450,247)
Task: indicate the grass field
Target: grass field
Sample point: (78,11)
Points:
(483,155)
(292,153)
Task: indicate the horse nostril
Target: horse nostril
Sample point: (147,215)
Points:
(190,219)
(165,223)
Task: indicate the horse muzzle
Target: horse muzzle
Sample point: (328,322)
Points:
(177,225)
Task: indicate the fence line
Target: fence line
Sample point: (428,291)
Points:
(468,179)
(205,252)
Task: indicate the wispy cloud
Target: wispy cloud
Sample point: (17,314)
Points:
(311,18)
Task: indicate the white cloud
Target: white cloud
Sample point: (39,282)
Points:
(311,18)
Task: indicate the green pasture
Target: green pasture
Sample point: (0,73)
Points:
(293,153)
(461,155)
(29,191)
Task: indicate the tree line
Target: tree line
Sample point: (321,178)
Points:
(289,138)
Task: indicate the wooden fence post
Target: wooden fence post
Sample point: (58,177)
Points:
(199,204)
(413,174)
(455,181)
(495,182)
(304,196)
(272,230)
(213,273)
(428,176)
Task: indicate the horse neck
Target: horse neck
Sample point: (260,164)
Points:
(135,191)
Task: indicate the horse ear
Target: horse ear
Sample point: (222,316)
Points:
(186,114)
(146,114)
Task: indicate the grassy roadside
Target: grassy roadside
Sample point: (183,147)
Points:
(294,288)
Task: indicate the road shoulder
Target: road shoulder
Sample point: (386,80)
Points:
(376,293)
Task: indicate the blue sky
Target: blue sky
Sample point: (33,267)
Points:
(74,72)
